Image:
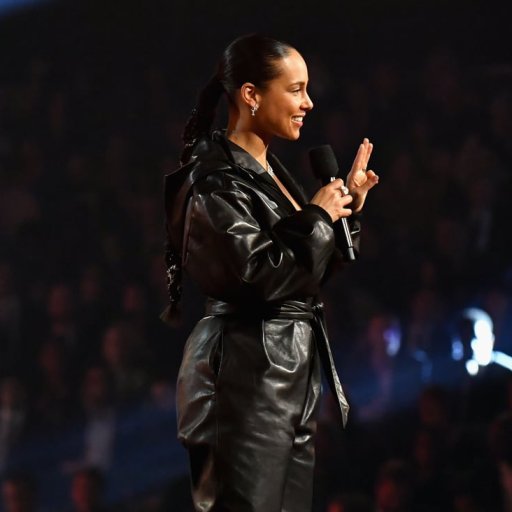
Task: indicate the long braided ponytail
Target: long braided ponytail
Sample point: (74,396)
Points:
(202,116)
(199,123)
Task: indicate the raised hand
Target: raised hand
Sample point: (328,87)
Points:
(359,179)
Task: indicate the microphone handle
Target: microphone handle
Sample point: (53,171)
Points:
(348,248)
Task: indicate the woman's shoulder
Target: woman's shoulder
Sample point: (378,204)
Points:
(209,166)
(212,163)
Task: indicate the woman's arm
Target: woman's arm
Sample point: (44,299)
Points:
(232,257)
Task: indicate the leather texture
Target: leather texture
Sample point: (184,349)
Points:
(250,382)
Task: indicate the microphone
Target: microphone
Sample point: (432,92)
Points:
(325,168)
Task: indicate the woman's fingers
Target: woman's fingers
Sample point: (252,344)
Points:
(336,184)
(360,157)
(359,180)
(369,150)
(361,160)
(342,201)
(371,180)
(334,198)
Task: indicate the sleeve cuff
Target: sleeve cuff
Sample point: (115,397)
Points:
(323,213)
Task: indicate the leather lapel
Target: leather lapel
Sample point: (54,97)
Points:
(251,166)
(288,180)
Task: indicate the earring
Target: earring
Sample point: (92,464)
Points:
(254,109)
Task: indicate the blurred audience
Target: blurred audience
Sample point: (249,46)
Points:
(83,148)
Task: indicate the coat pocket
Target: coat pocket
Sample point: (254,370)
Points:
(286,344)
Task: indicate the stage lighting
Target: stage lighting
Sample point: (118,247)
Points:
(481,343)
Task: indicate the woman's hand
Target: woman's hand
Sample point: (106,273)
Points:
(359,180)
(333,200)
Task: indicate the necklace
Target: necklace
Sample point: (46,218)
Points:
(270,170)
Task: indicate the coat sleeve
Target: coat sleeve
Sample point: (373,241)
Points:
(232,256)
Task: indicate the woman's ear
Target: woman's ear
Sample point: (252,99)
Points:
(249,95)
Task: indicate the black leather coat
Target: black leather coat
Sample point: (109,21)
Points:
(249,382)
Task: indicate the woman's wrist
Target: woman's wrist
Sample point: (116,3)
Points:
(322,211)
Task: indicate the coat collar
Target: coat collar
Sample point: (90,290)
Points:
(245,160)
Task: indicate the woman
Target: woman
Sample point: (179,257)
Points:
(240,225)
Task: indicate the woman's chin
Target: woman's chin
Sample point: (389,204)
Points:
(293,135)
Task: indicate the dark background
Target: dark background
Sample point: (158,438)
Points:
(93,97)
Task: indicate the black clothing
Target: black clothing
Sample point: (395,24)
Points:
(249,382)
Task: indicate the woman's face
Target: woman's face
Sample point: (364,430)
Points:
(284,102)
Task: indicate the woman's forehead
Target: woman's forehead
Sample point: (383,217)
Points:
(293,68)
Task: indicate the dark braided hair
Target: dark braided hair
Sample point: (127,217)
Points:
(251,58)
(202,116)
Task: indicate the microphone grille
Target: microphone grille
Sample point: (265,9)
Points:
(323,162)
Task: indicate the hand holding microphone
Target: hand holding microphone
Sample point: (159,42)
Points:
(334,196)
(334,199)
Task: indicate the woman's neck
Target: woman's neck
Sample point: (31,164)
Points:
(251,142)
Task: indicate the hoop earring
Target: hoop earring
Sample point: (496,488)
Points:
(254,109)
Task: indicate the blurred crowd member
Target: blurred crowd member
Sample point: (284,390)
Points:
(62,324)
(474,482)
(19,206)
(425,342)
(434,410)
(100,418)
(123,353)
(10,321)
(93,308)
(87,491)
(374,358)
(429,455)
(134,309)
(54,404)
(351,503)
(19,493)
(14,416)
(464,497)
(163,394)
(394,489)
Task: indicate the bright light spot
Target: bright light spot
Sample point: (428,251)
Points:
(477,315)
(482,351)
(502,359)
(392,335)
(472,367)
(483,330)
(483,342)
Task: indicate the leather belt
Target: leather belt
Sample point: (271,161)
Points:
(292,310)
